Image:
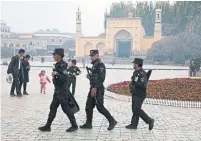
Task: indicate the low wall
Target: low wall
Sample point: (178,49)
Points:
(164,102)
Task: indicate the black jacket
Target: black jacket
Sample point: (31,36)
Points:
(98,72)
(138,85)
(26,69)
(60,80)
(73,71)
(14,65)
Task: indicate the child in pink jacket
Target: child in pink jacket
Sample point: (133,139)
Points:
(43,81)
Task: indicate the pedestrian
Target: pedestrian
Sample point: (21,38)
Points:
(69,62)
(96,92)
(15,68)
(83,63)
(43,81)
(138,88)
(192,69)
(26,69)
(73,72)
(61,95)
(42,59)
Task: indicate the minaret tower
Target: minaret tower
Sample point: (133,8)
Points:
(78,22)
(78,50)
(158,27)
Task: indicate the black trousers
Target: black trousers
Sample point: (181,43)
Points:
(73,83)
(17,81)
(138,112)
(62,99)
(24,86)
(97,101)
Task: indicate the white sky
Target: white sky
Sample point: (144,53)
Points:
(30,16)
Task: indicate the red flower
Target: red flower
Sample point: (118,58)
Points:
(173,89)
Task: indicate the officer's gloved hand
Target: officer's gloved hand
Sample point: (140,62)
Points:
(54,73)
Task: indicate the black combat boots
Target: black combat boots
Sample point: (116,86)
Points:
(44,128)
(74,127)
(131,126)
(87,125)
(112,124)
(151,124)
(47,126)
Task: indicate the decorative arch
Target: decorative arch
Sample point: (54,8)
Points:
(24,45)
(123,43)
(100,47)
(17,45)
(123,35)
(5,45)
(87,47)
(11,45)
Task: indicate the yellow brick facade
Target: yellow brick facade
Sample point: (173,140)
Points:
(118,30)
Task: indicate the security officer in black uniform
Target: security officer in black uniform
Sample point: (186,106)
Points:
(73,72)
(138,88)
(60,77)
(96,93)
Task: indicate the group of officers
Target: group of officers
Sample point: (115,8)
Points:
(95,96)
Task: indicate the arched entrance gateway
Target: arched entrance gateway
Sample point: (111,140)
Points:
(87,47)
(100,47)
(123,41)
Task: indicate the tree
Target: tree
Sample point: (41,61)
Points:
(176,48)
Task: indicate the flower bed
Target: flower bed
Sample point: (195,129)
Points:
(184,89)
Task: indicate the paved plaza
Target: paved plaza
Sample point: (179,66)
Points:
(21,117)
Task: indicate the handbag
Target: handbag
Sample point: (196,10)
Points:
(9,78)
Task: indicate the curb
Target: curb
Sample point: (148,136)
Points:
(163,102)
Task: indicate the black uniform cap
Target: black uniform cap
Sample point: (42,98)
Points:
(93,52)
(138,61)
(59,51)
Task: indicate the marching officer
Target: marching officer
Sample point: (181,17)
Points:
(96,92)
(61,94)
(138,88)
(73,72)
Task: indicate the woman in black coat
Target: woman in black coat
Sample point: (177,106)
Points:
(26,69)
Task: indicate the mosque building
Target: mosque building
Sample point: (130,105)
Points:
(123,37)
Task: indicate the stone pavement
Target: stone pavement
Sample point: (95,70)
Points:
(20,117)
